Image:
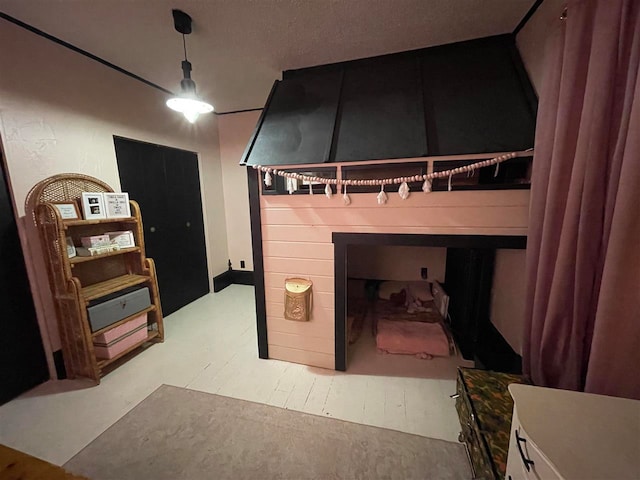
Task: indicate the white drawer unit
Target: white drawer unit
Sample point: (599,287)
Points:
(560,434)
(526,461)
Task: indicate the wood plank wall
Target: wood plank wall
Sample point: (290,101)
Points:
(296,236)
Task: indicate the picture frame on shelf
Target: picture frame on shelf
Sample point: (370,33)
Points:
(93,205)
(117,204)
(71,248)
(68,210)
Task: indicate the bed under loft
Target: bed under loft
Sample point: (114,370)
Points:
(407,317)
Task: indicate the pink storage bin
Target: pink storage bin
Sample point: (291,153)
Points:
(118,339)
(95,241)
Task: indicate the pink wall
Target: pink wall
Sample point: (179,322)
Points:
(531,40)
(508,296)
(384,262)
(234,131)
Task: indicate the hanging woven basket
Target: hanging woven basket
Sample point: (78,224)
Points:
(298,299)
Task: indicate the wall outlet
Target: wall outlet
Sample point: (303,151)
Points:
(424,273)
(241,263)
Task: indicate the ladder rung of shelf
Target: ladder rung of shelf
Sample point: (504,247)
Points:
(104,362)
(122,251)
(73,223)
(115,284)
(150,308)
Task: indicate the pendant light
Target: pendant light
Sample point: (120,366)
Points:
(187,103)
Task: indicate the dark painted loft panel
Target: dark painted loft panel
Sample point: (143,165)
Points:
(299,121)
(382,111)
(475,99)
(467,97)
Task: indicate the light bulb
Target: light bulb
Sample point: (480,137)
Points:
(192,116)
(191,107)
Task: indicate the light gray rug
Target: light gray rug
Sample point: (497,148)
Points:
(183,434)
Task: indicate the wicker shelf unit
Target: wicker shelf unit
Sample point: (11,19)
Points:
(76,281)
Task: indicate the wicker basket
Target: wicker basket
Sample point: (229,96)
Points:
(298,299)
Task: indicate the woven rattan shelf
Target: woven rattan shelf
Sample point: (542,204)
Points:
(75,260)
(76,281)
(71,223)
(102,289)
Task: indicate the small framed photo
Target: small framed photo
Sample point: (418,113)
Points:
(68,210)
(117,205)
(71,248)
(93,205)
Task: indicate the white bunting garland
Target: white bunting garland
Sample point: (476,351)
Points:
(404,191)
(382,196)
(345,197)
(292,185)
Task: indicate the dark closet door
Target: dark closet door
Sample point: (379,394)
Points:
(22,360)
(186,225)
(166,183)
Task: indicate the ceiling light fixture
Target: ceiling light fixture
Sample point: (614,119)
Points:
(187,103)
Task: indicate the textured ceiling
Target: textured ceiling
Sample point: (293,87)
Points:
(239,47)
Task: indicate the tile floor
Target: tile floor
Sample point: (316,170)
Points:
(211,346)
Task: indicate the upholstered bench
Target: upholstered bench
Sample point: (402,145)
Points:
(485,407)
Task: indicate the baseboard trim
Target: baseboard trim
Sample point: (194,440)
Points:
(242,277)
(230,277)
(222,281)
(58,360)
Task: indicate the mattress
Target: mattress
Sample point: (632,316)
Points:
(414,338)
(419,333)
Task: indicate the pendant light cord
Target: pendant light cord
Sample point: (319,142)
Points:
(184,45)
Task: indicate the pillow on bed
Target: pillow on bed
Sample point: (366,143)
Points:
(388,287)
(421,290)
(441,299)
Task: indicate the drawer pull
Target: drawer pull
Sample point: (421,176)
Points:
(454,396)
(525,460)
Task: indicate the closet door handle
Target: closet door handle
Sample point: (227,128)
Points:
(527,462)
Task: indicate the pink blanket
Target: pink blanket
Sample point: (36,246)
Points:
(414,338)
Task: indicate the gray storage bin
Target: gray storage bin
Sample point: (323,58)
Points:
(115,309)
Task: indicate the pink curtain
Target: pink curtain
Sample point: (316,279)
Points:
(582,328)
